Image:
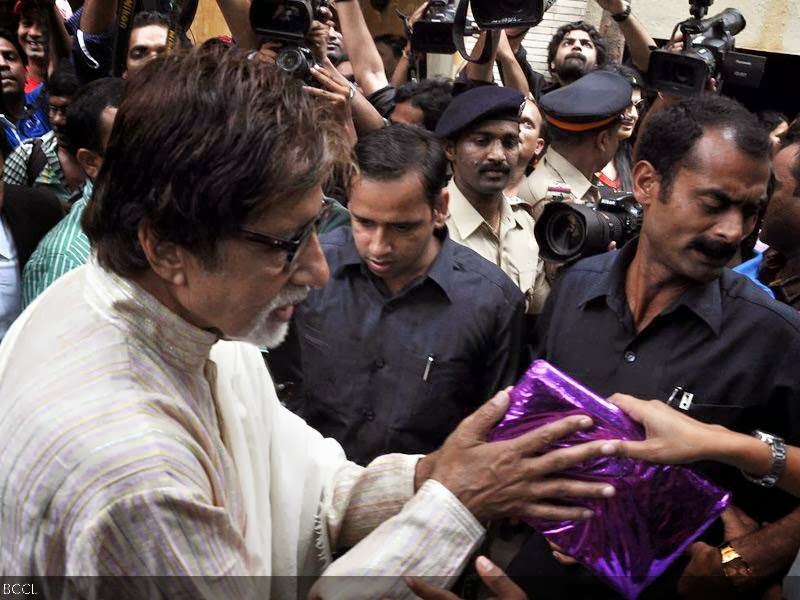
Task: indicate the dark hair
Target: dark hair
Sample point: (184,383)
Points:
(770,119)
(561,33)
(82,129)
(63,81)
(792,135)
(795,170)
(631,74)
(14,39)
(670,135)
(390,153)
(396,43)
(204,141)
(145,18)
(431,96)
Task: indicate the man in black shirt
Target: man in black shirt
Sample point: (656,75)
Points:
(413,330)
(664,319)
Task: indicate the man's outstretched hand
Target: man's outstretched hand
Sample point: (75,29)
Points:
(515,478)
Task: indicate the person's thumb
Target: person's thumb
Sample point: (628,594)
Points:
(478,424)
(496,580)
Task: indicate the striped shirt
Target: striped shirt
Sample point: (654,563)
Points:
(64,248)
(51,176)
(119,457)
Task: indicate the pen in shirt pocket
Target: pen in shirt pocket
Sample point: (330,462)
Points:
(428,365)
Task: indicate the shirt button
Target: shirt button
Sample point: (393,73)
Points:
(630,357)
(369,415)
(379,364)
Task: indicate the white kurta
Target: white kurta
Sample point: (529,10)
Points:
(132,443)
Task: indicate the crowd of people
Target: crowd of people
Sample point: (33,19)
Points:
(261,324)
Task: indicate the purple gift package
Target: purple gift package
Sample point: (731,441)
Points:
(658,510)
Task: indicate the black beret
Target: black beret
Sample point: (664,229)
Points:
(479,104)
(591,102)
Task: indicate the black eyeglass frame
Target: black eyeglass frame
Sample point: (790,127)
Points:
(294,246)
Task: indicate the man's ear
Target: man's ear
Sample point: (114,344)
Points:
(89,161)
(603,139)
(539,147)
(440,209)
(167,259)
(646,183)
(449,150)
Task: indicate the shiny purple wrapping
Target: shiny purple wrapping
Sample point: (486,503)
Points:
(658,510)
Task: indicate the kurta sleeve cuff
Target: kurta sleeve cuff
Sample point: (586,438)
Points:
(433,536)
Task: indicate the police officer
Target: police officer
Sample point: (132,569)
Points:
(583,119)
(480,132)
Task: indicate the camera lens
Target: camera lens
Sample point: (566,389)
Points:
(290,59)
(565,233)
(566,230)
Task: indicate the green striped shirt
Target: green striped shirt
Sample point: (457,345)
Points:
(64,248)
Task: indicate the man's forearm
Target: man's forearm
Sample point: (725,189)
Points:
(772,548)
(513,76)
(361,49)
(637,38)
(482,71)
(639,41)
(237,16)
(98,16)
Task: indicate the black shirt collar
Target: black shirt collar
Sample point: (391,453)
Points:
(704,300)
(440,272)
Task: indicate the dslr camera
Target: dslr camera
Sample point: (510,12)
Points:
(288,21)
(708,51)
(567,231)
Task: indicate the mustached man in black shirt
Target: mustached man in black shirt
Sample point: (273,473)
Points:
(664,319)
(413,330)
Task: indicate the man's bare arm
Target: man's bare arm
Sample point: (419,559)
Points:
(482,71)
(771,549)
(513,75)
(360,47)
(60,40)
(98,16)
(237,17)
(637,38)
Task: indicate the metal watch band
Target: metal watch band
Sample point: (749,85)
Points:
(778,464)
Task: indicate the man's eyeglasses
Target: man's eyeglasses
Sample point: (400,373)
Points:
(292,247)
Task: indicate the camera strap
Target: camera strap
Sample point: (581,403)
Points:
(459,26)
(181,14)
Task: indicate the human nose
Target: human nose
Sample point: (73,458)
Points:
(312,269)
(731,227)
(379,243)
(496,152)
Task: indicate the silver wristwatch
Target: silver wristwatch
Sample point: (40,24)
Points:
(778,464)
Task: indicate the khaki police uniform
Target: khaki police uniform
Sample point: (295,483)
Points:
(513,247)
(556,179)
